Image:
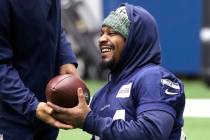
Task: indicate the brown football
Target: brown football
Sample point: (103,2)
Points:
(62,90)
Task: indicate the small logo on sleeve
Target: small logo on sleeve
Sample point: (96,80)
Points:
(171,88)
(170,93)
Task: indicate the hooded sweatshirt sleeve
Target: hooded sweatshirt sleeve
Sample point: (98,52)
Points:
(150,125)
(12,90)
(66,55)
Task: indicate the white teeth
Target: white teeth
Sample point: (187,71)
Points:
(105,50)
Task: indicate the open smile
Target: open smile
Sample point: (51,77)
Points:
(106,49)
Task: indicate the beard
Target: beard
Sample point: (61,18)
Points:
(107,64)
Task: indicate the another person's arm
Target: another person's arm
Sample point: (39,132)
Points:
(13,92)
(67,58)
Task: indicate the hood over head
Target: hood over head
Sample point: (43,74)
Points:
(142,45)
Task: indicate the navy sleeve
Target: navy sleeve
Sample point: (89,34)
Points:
(12,90)
(66,55)
(159,90)
(150,125)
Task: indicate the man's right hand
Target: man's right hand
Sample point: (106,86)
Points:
(75,116)
(43,112)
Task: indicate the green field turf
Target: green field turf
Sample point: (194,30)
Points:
(195,128)
(196,89)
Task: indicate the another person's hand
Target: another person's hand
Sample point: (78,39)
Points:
(43,112)
(68,69)
(72,116)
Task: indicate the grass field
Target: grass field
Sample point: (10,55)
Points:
(195,128)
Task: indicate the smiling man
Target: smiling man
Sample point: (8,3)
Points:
(110,50)
(142,100)
(113,36)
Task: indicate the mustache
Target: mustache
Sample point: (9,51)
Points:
(111,45)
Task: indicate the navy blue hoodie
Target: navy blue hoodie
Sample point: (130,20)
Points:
(32,48)
(142,101)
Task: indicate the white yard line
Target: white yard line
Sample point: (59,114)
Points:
(197,108)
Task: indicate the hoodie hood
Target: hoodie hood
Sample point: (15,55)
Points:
(142,45)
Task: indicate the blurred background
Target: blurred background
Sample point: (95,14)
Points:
(184,28)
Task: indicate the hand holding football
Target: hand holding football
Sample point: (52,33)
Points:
(62,90)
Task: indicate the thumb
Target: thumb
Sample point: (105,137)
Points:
(81,96)
(43,108)
(47,109)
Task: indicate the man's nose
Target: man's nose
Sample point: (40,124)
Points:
(103,38)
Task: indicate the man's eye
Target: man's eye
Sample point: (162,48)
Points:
(112,33)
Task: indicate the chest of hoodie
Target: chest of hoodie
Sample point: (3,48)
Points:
(116,100)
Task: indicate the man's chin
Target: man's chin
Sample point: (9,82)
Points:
(106,64)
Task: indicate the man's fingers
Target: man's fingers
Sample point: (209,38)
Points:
(57,108)
(62,125)
(45,113)
(58,124)
(48,109)
(81,96)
